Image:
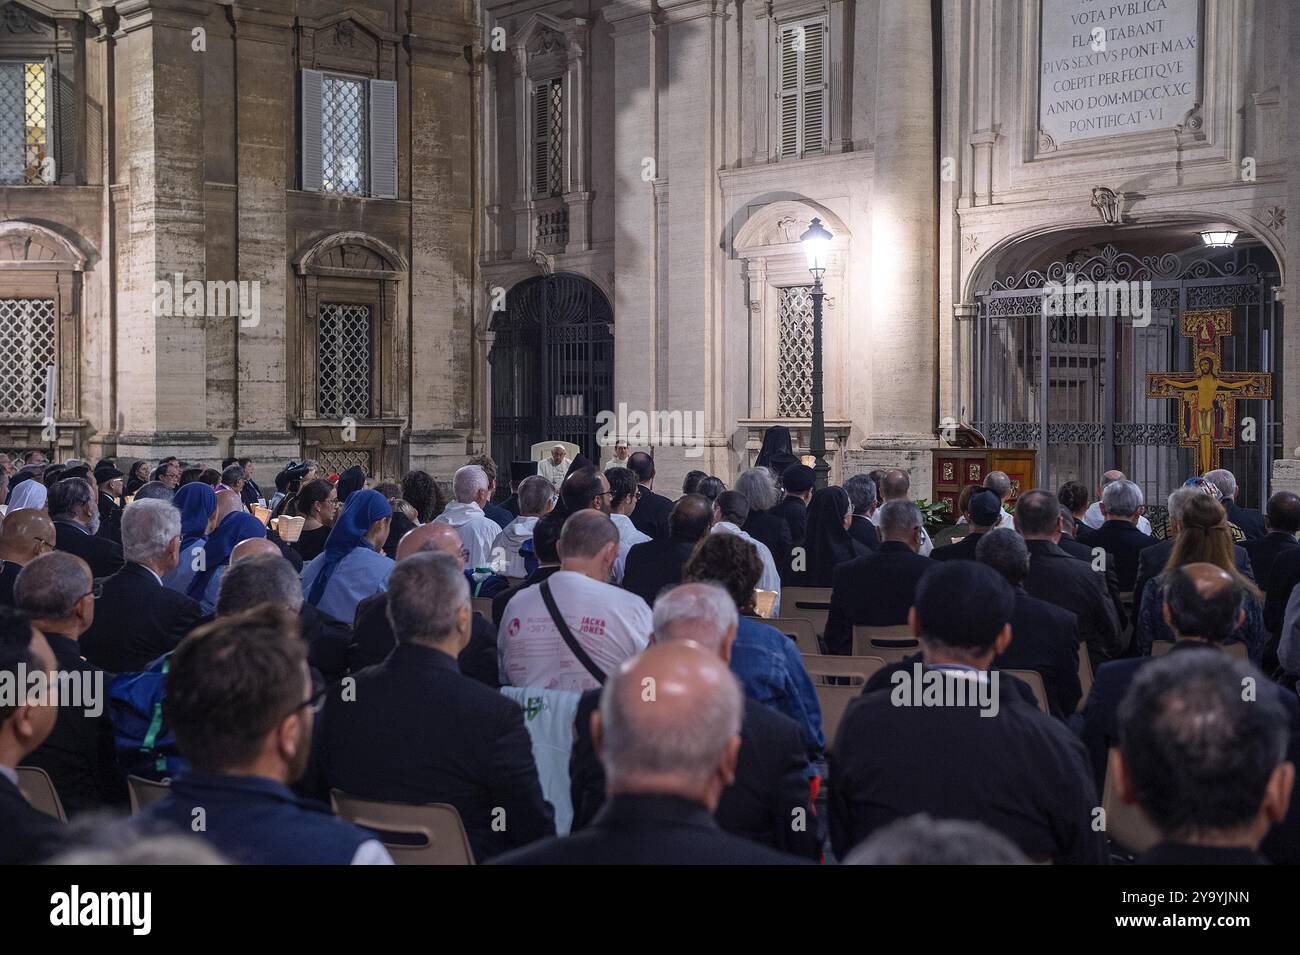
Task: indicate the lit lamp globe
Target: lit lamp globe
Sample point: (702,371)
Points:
(816,244)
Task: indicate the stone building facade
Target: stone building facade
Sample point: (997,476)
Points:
(237,228)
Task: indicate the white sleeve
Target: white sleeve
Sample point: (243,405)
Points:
(372,852)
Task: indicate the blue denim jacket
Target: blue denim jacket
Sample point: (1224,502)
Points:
(770,669)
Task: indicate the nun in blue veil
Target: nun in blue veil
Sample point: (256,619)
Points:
(352,566)
(197,503)
(234,528)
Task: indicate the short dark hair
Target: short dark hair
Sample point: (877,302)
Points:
(546,535)
(1199,754)
(189,476)
(227,462)
(67,495)
(642,465)
(1037,512)
(1283,512)
(1074,495)
(580,487)
(15,653)
(1193,614)
(210,476)
(733,505)
(420,490)
(729,560)
(1004,550)
(244,462)
(710,487)
(622,485)
(963,604)
(425,594)
(231,682)
(232,475)
(690,517)
(862,492)
(692,481)
(313,493)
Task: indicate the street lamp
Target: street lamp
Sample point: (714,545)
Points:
(816,244)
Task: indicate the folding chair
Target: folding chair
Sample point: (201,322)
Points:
(145,792)
(1035,681)
(838,681)
(1126,825)
(800,630)
(810,603)
(482,605)
(440,834)
(890,643)
(36,784)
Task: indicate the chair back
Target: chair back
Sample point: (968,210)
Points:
(1085,675)
(145,792)
(810,603)
(891,643)
(482,605)
(434,833)
(1035,681)
(1236,649)
(800,630)
(838,681)
(542,450)
(36,784)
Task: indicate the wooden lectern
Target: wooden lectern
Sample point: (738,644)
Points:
(970,460)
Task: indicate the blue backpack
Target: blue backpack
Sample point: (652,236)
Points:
(145,746)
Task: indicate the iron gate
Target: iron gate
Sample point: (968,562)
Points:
(1085,376)
(552,364)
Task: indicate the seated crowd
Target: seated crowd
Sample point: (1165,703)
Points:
(590,671)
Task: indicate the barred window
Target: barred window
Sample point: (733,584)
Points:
(343,370)
(26,351)
(26,116)
(343,135)
(548,138)
(794,353)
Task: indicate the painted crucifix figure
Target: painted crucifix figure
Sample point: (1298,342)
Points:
(1208,396)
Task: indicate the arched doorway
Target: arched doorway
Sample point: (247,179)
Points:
(552,364)
(1074,386)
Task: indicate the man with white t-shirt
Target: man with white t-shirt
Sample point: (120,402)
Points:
(623,495)
(607,624)
(478,532)
(730,511)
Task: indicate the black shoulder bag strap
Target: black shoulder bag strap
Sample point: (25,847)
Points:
(569,639)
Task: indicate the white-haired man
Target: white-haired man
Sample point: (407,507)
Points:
(1248,519)
(668,736)
(137,619)
(1094,517)
(477,531)
(771,788)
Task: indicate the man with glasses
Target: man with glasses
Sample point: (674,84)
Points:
(240,701)
(58,593)
(24,536)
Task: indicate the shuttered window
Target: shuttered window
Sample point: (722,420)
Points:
(802,89)
(349,135)
(548,138)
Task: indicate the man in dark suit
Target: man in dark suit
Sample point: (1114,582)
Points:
(878,590)
(1063,580)
(1249,520)
(109,481)
(137,619)
(798,481)
(983,512)
(1044,638)
(373,638)
(1152,560)
(652,510)
(72,507)
(56,591)
(657,564)
(1207,764)
(979,751)
(1283,522)
(417,730)
(25,534)
(1121,505)
(250,493)
(666,768)
(1075,548)
(27,835)
(771,788)
(862,498)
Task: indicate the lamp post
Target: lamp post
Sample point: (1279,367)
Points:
(816,244)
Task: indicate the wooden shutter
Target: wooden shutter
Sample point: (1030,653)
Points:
(541,139)
(812,126)
(310,110)
(788,94)
(802,89)
(383,139)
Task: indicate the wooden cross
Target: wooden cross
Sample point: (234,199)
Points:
(1208,396)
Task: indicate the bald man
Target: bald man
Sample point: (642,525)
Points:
(24,536)
(227,503)
(373,639)
(771,790)
(668,736)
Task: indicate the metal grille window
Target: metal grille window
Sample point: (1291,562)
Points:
(343,135)
(802,89)
(333,461)
(794,353)
(25,120)
(343,370)
(548,138)
(26,350)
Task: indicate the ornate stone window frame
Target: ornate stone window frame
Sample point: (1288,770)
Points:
(32,30)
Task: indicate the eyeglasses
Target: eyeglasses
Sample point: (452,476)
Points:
(41,540)
(316,702)
(96,590)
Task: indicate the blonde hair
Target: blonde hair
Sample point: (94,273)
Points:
(1204,536)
